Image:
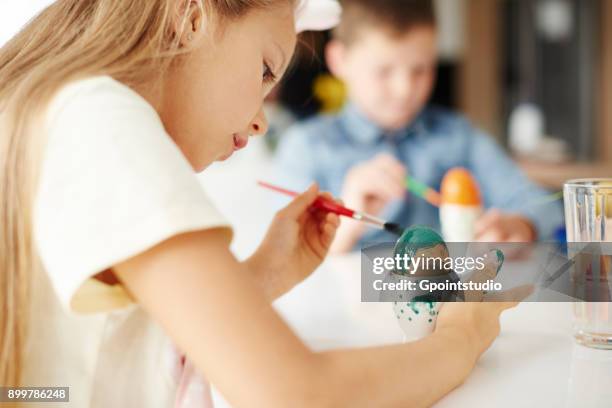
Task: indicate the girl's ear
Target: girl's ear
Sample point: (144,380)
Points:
(190,24)
(335,55)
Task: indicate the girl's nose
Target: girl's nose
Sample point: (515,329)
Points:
(259,125)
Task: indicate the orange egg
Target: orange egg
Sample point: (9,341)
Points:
(460,187)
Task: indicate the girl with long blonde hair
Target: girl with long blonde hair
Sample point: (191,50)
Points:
(110,252)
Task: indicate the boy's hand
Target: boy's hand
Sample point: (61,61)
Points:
(296,243)
(495,226)
(369,187)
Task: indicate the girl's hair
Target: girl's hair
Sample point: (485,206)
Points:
(131,40)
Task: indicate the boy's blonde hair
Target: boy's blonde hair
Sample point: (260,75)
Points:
(396,17)
(131,40)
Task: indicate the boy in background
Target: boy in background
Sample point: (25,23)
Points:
(385,51)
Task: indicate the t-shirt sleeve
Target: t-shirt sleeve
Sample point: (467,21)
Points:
(112,185)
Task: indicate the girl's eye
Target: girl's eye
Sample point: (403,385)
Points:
(268,75)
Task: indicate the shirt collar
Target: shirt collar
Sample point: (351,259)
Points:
(363,130)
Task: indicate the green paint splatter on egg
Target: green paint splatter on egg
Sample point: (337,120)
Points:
(415,239)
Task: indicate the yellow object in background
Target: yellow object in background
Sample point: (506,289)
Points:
(604,196)
(330,92)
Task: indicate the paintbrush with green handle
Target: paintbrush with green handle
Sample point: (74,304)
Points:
(423,191)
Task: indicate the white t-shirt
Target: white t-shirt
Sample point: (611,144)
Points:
(113,184)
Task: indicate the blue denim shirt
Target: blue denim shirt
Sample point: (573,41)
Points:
(325,148)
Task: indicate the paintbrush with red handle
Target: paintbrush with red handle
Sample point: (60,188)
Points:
(325,204)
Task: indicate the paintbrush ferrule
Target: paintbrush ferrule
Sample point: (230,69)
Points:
(371,219)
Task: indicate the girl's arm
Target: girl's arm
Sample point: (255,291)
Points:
(205,300)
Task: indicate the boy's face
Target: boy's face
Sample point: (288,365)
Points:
(389,78)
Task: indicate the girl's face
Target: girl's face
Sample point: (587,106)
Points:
(213,97)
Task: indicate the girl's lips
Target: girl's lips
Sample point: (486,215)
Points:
(240,142)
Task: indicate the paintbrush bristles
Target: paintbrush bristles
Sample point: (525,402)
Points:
(394,229)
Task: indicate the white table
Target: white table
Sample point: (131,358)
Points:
(534,362)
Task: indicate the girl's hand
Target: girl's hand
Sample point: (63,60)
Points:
(296,243)
(476,321)
(476,324)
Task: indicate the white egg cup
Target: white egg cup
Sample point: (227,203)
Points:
(458,222)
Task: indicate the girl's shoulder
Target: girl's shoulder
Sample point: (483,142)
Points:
(89,84)
(99,116)
(112,184)
(96,96)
